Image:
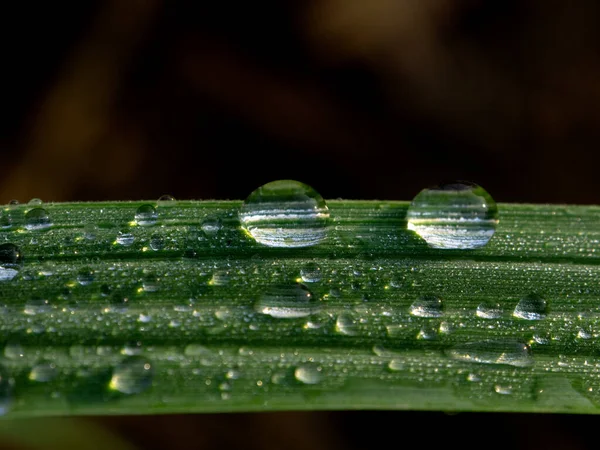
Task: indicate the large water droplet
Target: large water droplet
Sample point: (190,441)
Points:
(459,215)
(285,213)
(166,200)
(5,219)
(6,390)
(427,306)
(311,273)
(35,202)
(487,310)
(531,307)
(151,282)
(11,260)
(508,352)
(43,372)
(125,238)
(146,215)
(85,276)
(132,376)
(37,219)
(309,373)
(346,324)
(157,242)
(288,302)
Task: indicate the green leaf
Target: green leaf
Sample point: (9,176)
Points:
(133,307)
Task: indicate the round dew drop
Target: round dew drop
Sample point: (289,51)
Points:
(458,215)
(37,219)
(308,373)
(285,213)
(287,302)
(11,261)
(531,307)
(146,216)
(132,376)
(427,306)
(43,372)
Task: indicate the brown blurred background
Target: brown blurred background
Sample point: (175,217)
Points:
(132,99)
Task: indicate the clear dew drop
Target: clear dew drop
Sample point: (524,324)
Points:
(11,261)
(311,273)
(37,219)
(309,373)
(150,282)
(6,391)
(346,324)
(13,350)
(43,372)
(125,238)
(37,305)
(531,307)
(90,232)
(6,220)
(458,215)
(511,353)
(488,310)
(427,306)
(220,278)
(146,215)
(35,202)
(211,225)
(503,389)
(285,213)
(166,200)
(157,242)
(133,375)
(85,276)
(287,302)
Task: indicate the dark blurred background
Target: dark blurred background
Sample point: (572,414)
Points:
(370,99)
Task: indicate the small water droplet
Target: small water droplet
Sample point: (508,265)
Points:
(132,376)
(166,200)
(220,278)
(6,220)
(346,324)
(6,390)
(146,215)
(43,372)
(584,334)
(458,215)
(13,350)
(488,310)
(285,213)
(90,231)
(85,276)
(512,353)
(198,350)
(13,204)
(35,202)
(427,334)
(125,238)
(396,365)
(427,306)
(211,225)
(37,219)
(503,389)
(309,373)
(37,305)
(311,273)
(151,282)
(531,307)
(288,302)
(156,242)
(11,261)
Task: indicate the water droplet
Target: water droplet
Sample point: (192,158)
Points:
(510,353)
(309,373)
(132,376)
(427,334)
(211,225)
(125,239)
(584,334)
(198,350)
(37,219)
(90,231)
(285,213)
(531,307)
(146,215)
(503,389)
(5,219)
(13,204)
(288,302)
(311,273)
(85,276)
(396,365)
(459,215)
(37,305)
(11,260)
(156,242)
(6,390)
(13,350)
(166,200)
(346,324)
(35,202)
(488,310)
(220,278)
(151,282)
(43,372)
(427,306)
